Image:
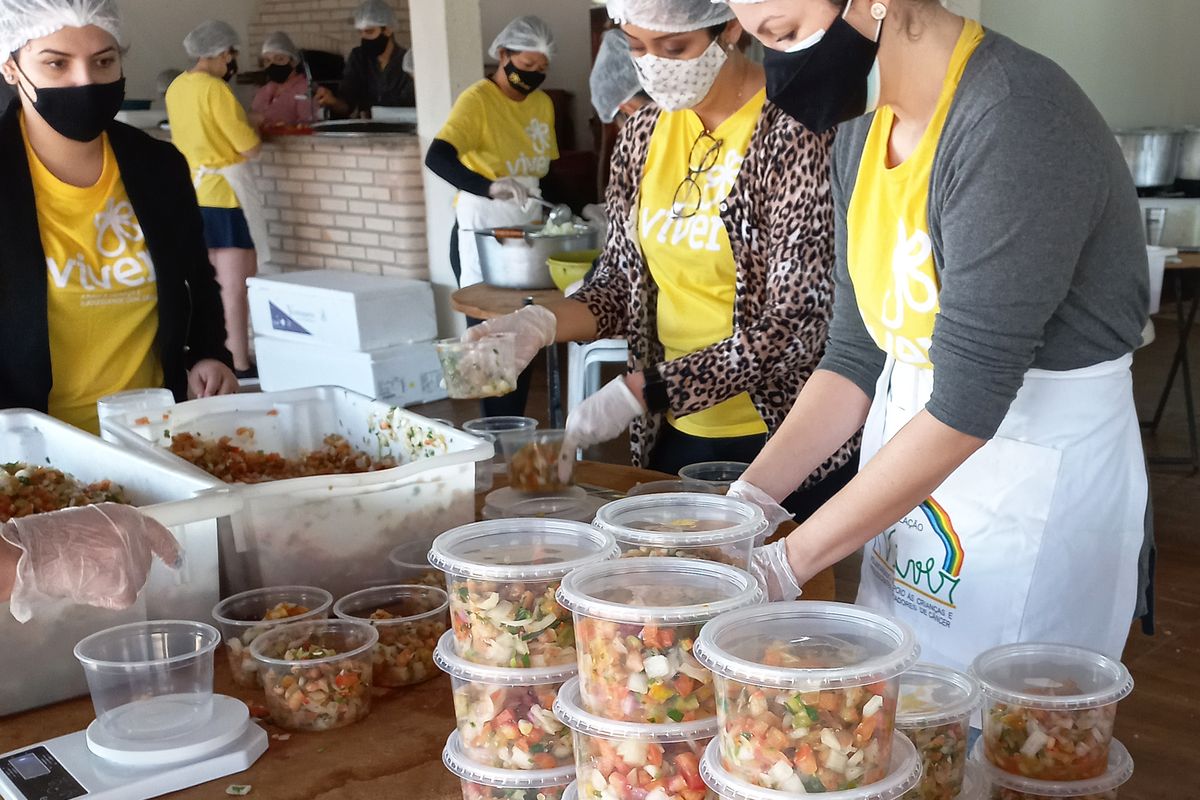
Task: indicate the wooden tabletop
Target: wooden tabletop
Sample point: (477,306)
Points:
(1186,261)
(393,753)
(485,302)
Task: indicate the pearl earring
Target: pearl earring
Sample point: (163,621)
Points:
(878,11)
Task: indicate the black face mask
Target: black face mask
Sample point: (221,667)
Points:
(279,73)
(231,70)
(826,84)
(375,47)
(81,113)
(523,80)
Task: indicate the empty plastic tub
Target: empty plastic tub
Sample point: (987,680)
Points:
(483,368)
(410,564)
(636,621)
(489,783)
(620,760)
(246,616)
(1049,709)
(535,461)
(317,674)
(1005,786)
(808,693)
(704,526)
(902,772)
(718,474)
(505,716)
(150,680)
(501,576)
(934,712)
(410,619)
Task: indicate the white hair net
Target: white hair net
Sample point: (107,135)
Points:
(669,16)
(280,42)
(407,63)
(614,78)
(22,21)
(525,34)
(374,14)
(210,38)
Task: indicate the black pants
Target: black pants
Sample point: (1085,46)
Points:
(676,450)
(512,404)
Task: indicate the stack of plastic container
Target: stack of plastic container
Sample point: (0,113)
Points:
(511,648)
(935,708)
(1048,722)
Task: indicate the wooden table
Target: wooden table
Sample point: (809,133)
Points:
(393,753)
(1183,270)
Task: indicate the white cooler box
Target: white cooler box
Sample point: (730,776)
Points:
(331,531)
(403,375)
(340,309)
(37,664)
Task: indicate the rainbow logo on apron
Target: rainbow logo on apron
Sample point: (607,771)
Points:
(944,528)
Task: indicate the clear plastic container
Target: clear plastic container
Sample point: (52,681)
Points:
(572,792)
(623,760)
(673,487)
(505,716)
(1049,709)
(580,507)
(483,368)
(317,674)
(902,772)
(246,616)
(974,786)
(410,620)
(704,526)
(494,429)
(481,782)
(410,564)
(636,621)
(534,463)
(718,474)
(122,404)
(807,693)
(501,576)
(934,712)
(1004,786)
(150,680)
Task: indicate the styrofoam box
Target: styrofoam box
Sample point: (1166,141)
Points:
(333,531)
(342,309)
(37,665)
(403,375)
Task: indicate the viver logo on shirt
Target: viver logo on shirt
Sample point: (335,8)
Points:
(118,263)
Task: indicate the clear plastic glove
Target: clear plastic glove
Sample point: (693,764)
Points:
(769,564)
(94,555)
(511,190)
(775,513)
(535,328)
(603,416)
(594,212)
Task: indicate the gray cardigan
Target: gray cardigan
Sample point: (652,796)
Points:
(1037,240)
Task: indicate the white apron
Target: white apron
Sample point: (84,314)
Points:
(240,178)
(479,213)
(1035,537)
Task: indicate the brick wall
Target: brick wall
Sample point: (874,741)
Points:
(318,24)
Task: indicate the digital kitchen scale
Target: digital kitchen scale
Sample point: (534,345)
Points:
(92,764)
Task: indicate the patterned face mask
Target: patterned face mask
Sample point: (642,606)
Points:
(676,84)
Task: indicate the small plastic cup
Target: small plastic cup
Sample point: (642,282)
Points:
(672,487)
(410,620)
(1049,709)
(150,680)
(1005,786)
(533,458)
(317,674)
(486,367)
(934,712)
(481,782)
(807,693)
(245,616)
(501,576)
(505,716)
(120,407)
(495,429)
(705,526)
(635,623)
(903,770)
(619,759)
(410,565)
(718,474)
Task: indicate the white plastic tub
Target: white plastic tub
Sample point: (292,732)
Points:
(332,531)
(36,662)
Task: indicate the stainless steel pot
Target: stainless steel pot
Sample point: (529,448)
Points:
(1152,155)
(1189,155)
(515,257)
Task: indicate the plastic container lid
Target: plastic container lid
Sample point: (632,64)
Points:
(432,602)
(364,632)
(457,762)
(649,590)
(904,774)
(673,487)
(864,646)
(571,792)
(974,787)
(714,471)
(933,695)
(452,664)
(1055,677)
(568,707)
(1120,769)
(739,520)
(520,549)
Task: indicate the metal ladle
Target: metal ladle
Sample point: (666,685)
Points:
(560,214)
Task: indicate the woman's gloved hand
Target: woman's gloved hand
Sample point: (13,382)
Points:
(775,513)
(602,417)
(535,328)
(510,190)
(769,564)
(95,555)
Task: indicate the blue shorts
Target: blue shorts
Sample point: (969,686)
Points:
(226,227)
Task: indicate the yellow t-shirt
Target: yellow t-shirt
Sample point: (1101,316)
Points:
(209,126)
(889,251)
(102,297)
(499,137)
(690,258)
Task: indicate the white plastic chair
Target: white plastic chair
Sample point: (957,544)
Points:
(583,367)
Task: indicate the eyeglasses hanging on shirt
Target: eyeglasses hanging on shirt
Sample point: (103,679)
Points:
(704,155)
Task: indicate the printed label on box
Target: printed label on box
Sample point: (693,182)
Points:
(280,321)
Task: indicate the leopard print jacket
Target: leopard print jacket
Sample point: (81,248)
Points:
(779,215)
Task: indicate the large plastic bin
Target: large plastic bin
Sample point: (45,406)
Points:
(332,531)
(36,662)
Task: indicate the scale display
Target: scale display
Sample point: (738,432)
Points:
(38,775)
